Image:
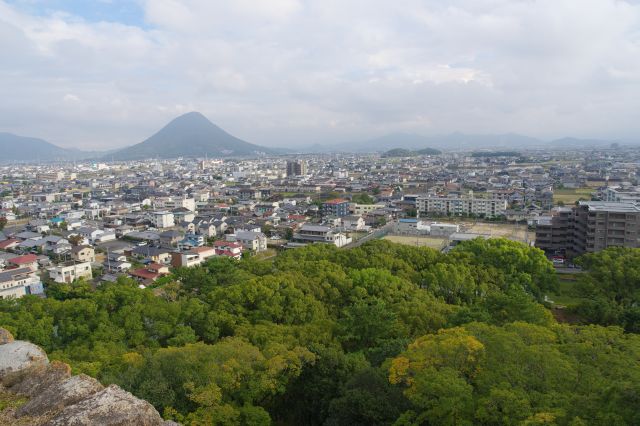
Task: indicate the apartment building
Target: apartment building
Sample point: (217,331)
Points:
(362,209)
(460,206)
(296,168)
(336,207)
(589,227)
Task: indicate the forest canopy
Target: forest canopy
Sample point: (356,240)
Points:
(377,335)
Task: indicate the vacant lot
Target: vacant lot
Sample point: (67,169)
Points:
(436,243)
(571,195)
(502,230)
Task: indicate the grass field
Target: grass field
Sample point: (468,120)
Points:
(571,195)
(567,293)
(435,243)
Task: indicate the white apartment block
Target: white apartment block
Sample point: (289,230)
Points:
(460,206)
(171,203)
(163,219)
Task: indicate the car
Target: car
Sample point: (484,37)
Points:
(142,243)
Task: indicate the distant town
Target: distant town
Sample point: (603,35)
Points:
(99,221)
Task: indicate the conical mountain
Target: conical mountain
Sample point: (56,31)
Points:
(189,135)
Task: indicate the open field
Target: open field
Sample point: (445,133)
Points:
(420,241)
(567,294)
(571,195)
(503,230)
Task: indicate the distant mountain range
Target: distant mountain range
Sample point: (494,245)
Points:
(401,152)
(193,135)
(14,148)
(453,141)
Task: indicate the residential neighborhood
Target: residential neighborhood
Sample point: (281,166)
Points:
(98,221)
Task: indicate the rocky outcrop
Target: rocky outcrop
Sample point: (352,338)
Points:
(111,406)
(17,356)
(56,398)
(60,395)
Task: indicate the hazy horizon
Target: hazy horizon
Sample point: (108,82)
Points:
(109,74)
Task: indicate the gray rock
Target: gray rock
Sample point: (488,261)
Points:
(18,355)
(109,407)
(35,380)
(5,336)
(60,395)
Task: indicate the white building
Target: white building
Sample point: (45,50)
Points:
(163,219)
(320,234)
(459,206)
(362,209)
(15,283)
(250,240)
(70,272)
(175,203)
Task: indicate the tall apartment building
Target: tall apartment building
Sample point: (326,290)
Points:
(296,168)
(458,206)
(336,207)
(589,227)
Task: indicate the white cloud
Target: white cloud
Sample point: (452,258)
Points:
(282,71)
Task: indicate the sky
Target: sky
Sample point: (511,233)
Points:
(106,74)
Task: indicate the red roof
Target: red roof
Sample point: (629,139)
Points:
(227,253)
(143,273)
(227,244)
(155,266)
(8,243)
(202,249)
(21,260)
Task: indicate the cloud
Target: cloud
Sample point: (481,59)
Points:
(294,71)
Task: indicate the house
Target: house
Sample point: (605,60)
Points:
(191,240)
(27,261)
(170,238)
(83,254)
(229,249)
(250,240)
(15,283)
(207,229)
(308,233)
(182,214)
(69,272)
(193,257)
(54,244)
(89,233)
(353,223)
(105,235)
(9,244)
(155,254)
(150,273)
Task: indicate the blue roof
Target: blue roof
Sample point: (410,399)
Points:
(409,220)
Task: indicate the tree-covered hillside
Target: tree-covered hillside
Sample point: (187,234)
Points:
(377,335)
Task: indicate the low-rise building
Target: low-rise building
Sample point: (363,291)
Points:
(69,272)
(308,233)
(83,254)
(15,283)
